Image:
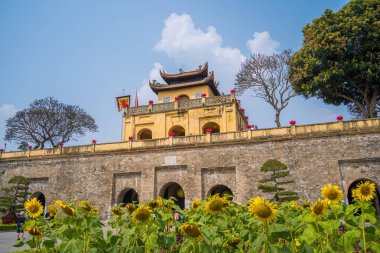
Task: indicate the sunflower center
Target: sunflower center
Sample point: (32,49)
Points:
(318,209)
(365,190)
(142,215)
(33,209)
(216,205)
(332,195)
(263,211)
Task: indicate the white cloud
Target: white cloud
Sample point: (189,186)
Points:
(145,93)
(262,43)
(190,47)
(7,110)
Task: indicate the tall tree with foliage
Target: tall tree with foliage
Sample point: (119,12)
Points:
(278,172)
(14,196)
(47,122)
(267,76)
(339,61)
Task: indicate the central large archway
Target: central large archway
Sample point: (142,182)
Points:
(177,131)
(40,197)
(221,190)
(375,201)
(126,196)
(173,189)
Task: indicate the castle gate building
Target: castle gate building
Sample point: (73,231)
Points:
(194,142)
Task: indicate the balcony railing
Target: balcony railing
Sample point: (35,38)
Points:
(180,105)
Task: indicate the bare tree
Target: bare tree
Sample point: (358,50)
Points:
(267,76)
(48,122)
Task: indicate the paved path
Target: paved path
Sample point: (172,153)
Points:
(7,239)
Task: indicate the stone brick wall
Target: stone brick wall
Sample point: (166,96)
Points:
(101,177)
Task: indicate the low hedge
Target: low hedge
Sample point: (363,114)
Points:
(7,227)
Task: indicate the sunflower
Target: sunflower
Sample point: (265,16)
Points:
(294,205)
(68,210)
(196,203)
(52,209)
(142,213)
(234,240)
(215,205)
(332,194)
(117,211)
(34,231)
(319,208)
(130,207)
(152,204)
(33,208)
(85,205)
(58,202)
(263,210)
(365,191)
(191,230)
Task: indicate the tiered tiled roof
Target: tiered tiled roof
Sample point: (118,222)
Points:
(183,79)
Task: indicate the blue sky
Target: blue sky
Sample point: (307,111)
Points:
(86,52)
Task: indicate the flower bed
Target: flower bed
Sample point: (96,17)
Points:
(215,224)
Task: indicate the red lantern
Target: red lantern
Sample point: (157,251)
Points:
(248,126)
(93,141)
(176,98)
(340,117)
(60,143)
(150,102)
(30,147)
(243,110)
(209,130)
(130,138)
(204,95)
(1,150)
(171,134)
(238,101)
(233,91)
(246,117)
(292,122)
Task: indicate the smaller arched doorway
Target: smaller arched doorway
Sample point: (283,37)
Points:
(375,201)
(174,190)
(221,190)
(144,134)
(183,98)
(177,131)
(211,125)
(40,197)
(126,196)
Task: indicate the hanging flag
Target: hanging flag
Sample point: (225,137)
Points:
(136,100)
(122,102)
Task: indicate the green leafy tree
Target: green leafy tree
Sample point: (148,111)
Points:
(276,181)
(14,196)
(49,122)
(339,61)
(23,146)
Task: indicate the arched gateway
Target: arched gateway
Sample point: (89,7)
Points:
(126,196)
(173,189)
(40,197)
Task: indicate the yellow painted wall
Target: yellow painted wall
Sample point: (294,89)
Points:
(227,116)
(190,92)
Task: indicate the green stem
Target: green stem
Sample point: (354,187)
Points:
(363,226)
(320,240)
